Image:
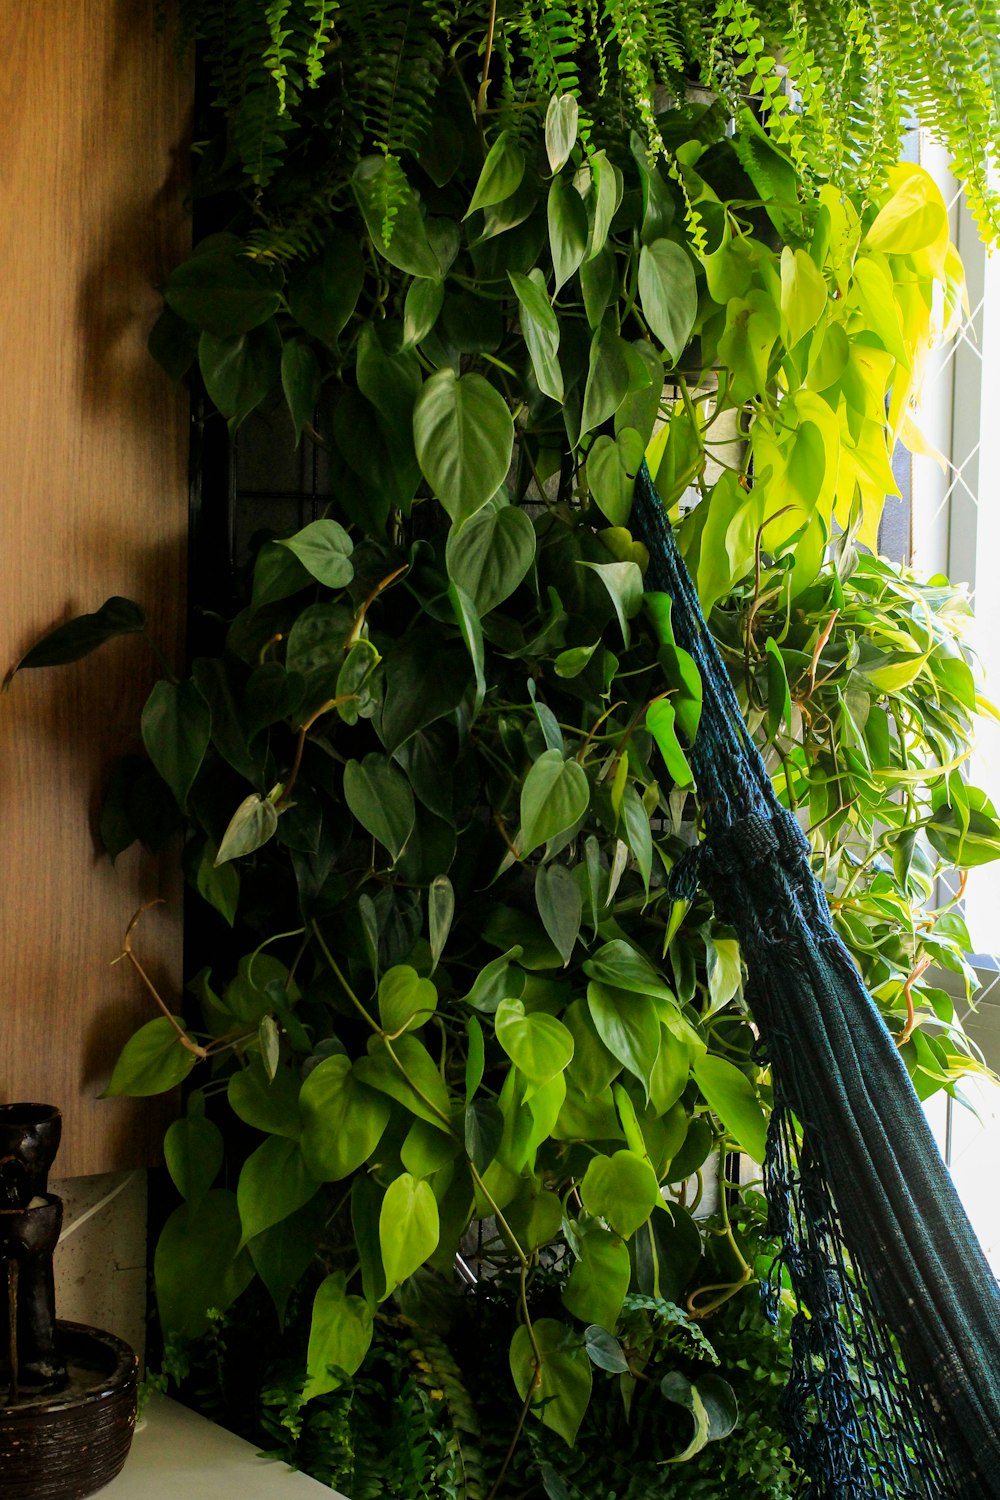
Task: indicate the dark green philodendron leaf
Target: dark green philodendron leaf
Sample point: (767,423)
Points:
(218,885)
(199,1267)
(300,381)
(426,679)
(380,798)
(598,281)
(78,637)
(342,1119)
(489,554)
(222,292)
(667,1252)
(641,406)
(536,1043)
(324,550)
(252,824)
(426,1149)
(621,1189)
(339,1336)
(670,1075)
(607,186)
(421,309)
(600,1278)
(555,796)
(356,688)
(560,1386)
(408,1228)
(322,296)
(712,1405)
(283,1253)
(731,1095)
(152,1061)
(593,1066)
(269,1042)
(173,343)
(499,980)
(408,1074)
(570,663)
(623,581)
(533,1215)
(471,630)
(391,381)
(560,907)
(483,1132)
(405,1001)
(658,206)
(464,436)
(668,294)
(562,121)
(501,174)
(540,327)
(440,913)
(604,1350)
(628,1026)
(239,372)
(618,963)
(318,639)
(277,573)
(387,202)
(568,228)
(607,379)
(475,1057)
(193,1151)
(266,1103)
(274,1182)
(612,465)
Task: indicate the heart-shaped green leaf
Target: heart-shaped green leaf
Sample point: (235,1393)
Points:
(464,437)
(560,1382)
(555,795)
(342,1119)
(668,294)
(612,465)
(621,1189)
(408,1228)
(537,1043)
(405,1001)
(339,1336)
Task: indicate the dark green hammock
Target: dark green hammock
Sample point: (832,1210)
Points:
(895,1383)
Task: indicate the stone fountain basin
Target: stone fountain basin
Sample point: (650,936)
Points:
(70,1444)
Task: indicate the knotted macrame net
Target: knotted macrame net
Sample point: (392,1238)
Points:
(895,1383)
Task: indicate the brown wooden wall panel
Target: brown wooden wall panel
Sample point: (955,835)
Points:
(93,440)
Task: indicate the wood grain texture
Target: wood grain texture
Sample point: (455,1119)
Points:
(93,501)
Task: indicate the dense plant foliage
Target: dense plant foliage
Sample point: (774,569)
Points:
(425,1418)
(836,84)
(434,779)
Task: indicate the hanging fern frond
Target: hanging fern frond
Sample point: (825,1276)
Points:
(396,66)
(834,82)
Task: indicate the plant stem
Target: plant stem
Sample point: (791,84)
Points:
(126,952)
(487,59)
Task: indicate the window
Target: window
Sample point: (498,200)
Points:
(952,516)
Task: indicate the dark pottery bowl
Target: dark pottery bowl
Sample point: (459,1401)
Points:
(69,1445)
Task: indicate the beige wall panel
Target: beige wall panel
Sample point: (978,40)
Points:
(93,121)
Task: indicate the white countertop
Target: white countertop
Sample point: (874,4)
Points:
(175,1452)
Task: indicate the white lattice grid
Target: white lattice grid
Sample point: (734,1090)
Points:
(955,529)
